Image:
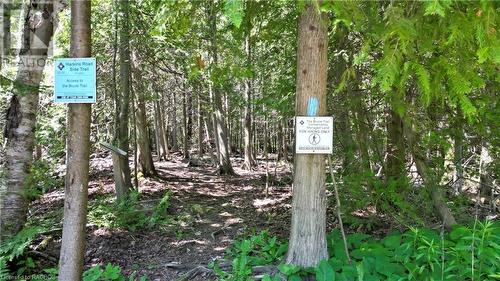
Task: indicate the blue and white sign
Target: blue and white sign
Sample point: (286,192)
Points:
(75,80)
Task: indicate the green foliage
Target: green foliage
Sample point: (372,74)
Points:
(129,213)
(98,273)
(160,210)
(13,250)
(39,182)
(15,246)
(256,250)
(234,11)
(466,253)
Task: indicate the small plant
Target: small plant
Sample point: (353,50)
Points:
(158,215)
(129,213)
(257,250)
(38,183)
(466,253)
(97,273)
(13,251)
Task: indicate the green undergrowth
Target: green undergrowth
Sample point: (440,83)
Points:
(130,213)
(466,253)
(15,263)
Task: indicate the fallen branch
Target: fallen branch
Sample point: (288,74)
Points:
(44,255)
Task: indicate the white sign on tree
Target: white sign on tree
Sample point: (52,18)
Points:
(313,135)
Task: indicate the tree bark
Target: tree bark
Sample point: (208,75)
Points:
(145,157)
(161,142)
(221,136)
(21,117)
(78,153)
(187,122)
(395,169)
(122,134)
(308,231)
(249,160)
(485,180)
(458,179)
(5,27)
(199,122)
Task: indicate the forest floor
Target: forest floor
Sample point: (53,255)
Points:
(208,213)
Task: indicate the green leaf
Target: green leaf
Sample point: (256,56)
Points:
(324,271)
(233,9)
(288,269)
(434,8)
(393,241)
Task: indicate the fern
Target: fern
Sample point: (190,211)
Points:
(15,247)
(234,11)
(387,70)
(423,82)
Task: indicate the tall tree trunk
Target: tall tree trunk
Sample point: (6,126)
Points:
(199,122)
(173,117)
(430,179)
(5,27)
(145,156)
(362,132)
(122,134)
(187,122)
(21,117)
(395,168)
(77,158)
(161,142)
(308,232)
(458,180)
(485,180)
(249,160)
(221,138)
(163,125)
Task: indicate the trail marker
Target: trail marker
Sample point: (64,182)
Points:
(75,80)
(313,135)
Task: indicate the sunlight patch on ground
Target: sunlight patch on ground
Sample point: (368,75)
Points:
(192,241)
(232,221)
(225,214)
(220,249)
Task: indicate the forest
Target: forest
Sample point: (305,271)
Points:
(240,140)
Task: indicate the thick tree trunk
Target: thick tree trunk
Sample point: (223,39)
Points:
(308,232)
(77,158)
(161,141)
(395,167)
(145,156)
(221,136)
(122,134)
(21,118)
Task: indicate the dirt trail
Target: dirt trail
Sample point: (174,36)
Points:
(211,211)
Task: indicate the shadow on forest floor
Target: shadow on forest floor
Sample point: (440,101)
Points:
(213,210)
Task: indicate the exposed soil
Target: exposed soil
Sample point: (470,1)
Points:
(219,209)
(209,212)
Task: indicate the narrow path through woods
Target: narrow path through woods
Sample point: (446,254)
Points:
(210,212)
